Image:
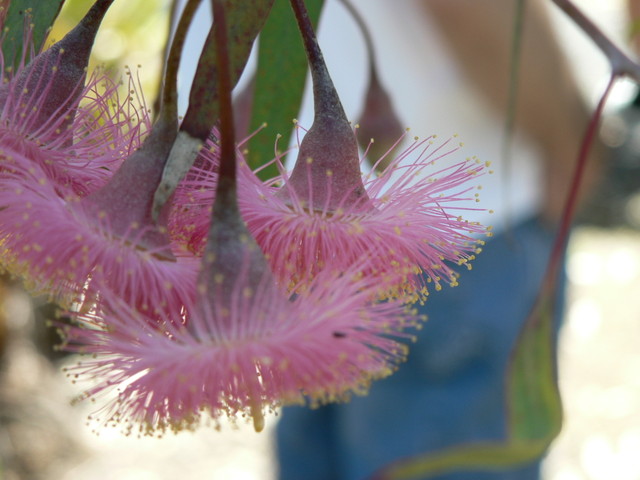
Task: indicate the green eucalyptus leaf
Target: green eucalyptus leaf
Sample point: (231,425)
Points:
(42,14)
(476,456)
(279,85)
(533,399)
(534,410)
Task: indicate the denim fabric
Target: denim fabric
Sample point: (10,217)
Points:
(451,389)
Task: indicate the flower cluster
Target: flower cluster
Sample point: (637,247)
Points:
(241,295)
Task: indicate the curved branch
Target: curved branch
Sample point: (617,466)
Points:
(621,64)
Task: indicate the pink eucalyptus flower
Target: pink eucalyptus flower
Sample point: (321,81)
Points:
(82,155)
(40,117)
(408,222)
(243,347)
(67,217)
(59,245)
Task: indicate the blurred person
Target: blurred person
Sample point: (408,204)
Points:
(446,65)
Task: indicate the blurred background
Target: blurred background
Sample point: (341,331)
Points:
(43,436)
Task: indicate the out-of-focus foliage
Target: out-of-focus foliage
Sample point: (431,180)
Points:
(133,33)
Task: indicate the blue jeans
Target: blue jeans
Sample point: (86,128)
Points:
(451,389)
